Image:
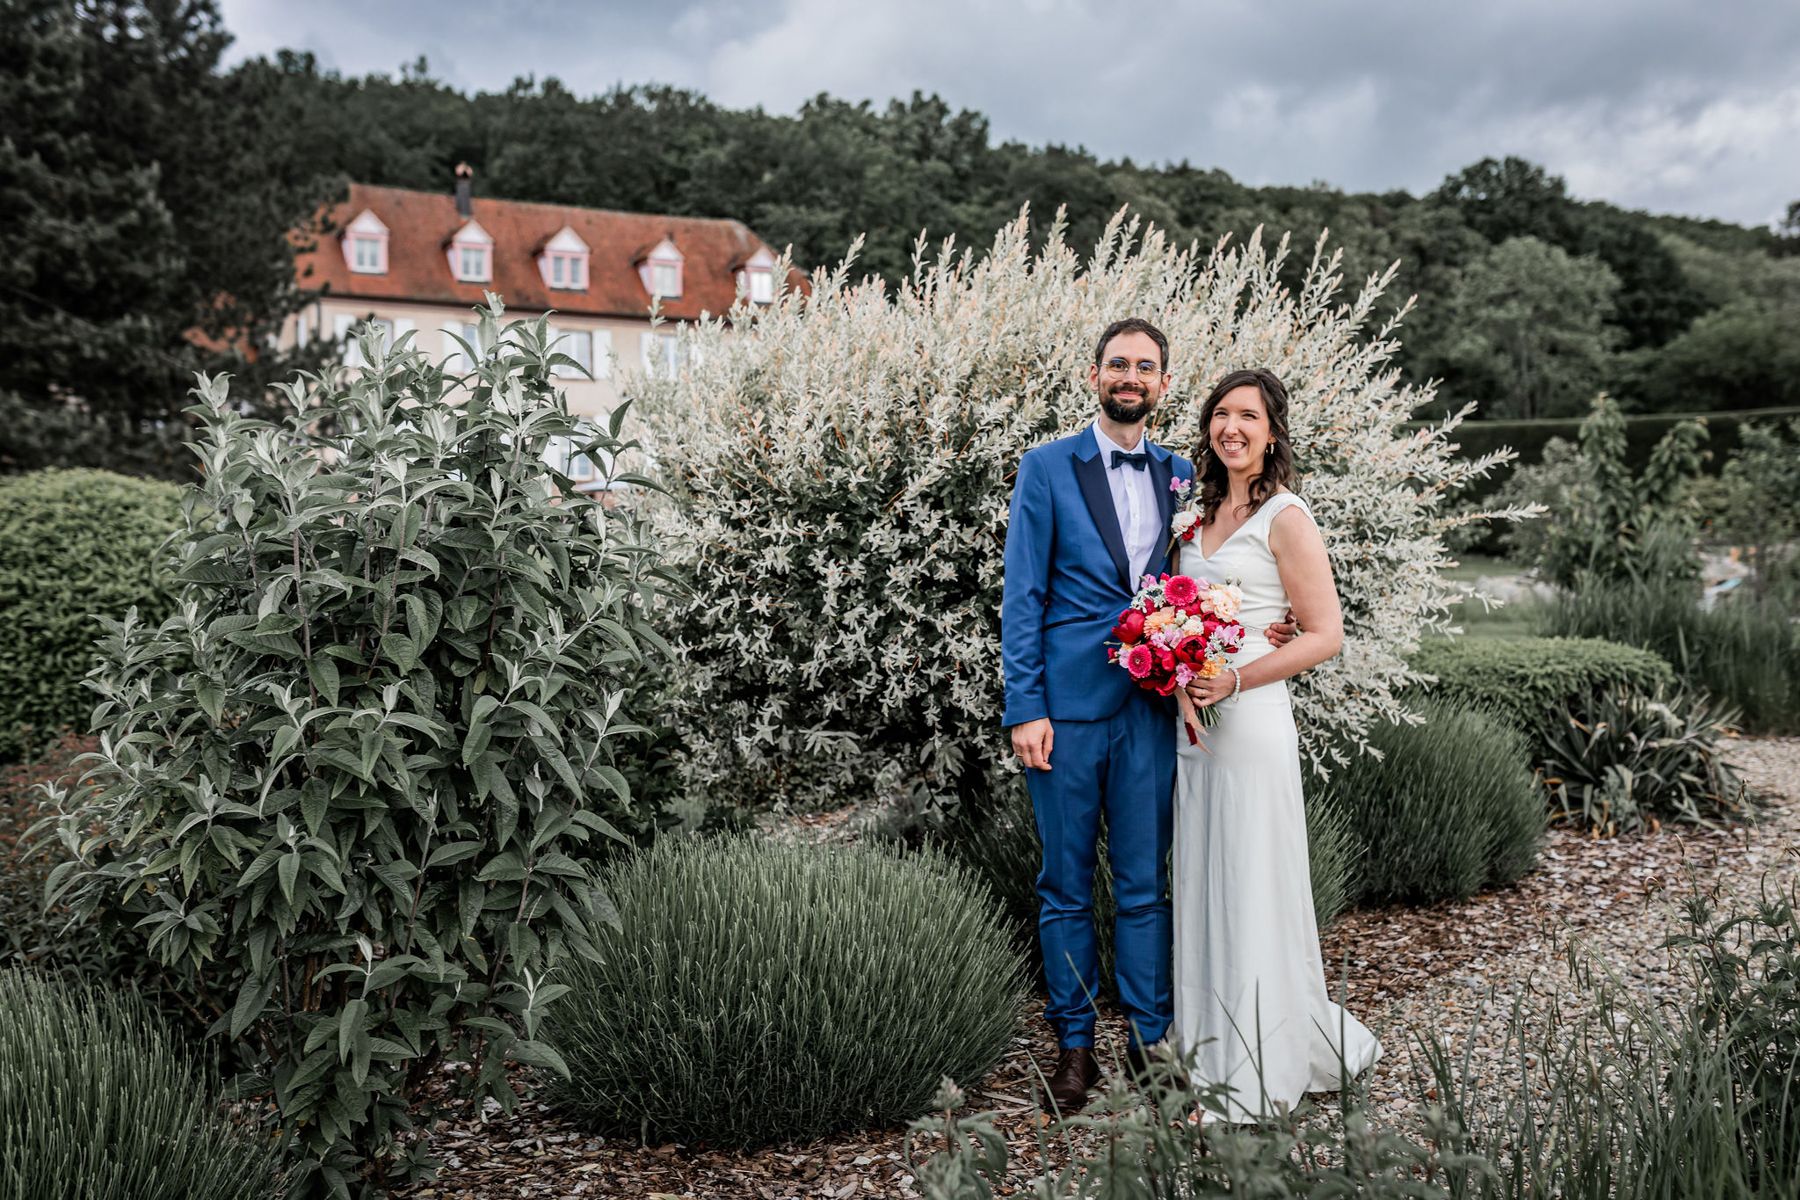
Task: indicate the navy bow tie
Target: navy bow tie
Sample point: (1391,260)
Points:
(1140,460)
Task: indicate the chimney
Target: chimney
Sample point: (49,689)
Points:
(465,177)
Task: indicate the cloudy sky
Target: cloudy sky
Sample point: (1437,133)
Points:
(1669,105)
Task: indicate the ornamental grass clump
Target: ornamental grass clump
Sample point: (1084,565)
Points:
(1629,760)
(755,992)
(351,786)
(1449,808)
(840,463)
(98,1102)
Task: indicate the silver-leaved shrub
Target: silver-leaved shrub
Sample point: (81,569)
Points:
(840,464)
(355,785)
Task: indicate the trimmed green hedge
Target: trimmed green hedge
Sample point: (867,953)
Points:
(1527,682)
(72,544)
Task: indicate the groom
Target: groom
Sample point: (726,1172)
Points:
(1090,516)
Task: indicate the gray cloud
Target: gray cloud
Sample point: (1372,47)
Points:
(1658,104)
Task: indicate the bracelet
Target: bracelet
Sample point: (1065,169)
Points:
(1237,682)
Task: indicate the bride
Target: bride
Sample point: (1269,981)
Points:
(1250,1002)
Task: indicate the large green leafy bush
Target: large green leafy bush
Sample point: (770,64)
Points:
(1528,682)
(1449,808)
(1624,523)
(348,785)
(98,1102)
(756,991)
(72,544)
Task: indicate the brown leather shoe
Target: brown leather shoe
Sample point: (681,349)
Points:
(1076,1072)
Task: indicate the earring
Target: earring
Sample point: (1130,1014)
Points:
(1269,449)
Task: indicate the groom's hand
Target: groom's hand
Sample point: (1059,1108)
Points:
(1283,631)
(1031,742)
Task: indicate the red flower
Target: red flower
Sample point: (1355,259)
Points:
(1112,654)
(1192,651)
(1166,687)
(1138,662)
(1130,627)
(1181,591)
(1191,531)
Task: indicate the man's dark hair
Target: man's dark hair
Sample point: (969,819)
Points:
(1132,325)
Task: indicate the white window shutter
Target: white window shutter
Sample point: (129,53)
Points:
(603,354)
(352,352)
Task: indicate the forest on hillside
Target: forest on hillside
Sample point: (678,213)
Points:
(154,187)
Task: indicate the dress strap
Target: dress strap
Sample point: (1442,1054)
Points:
(1278,503)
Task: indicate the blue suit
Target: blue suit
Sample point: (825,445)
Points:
(1114,750)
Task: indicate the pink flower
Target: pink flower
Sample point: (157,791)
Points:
(1139,662)
(1181,591)
(1179,485)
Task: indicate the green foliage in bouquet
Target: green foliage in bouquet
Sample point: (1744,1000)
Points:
(1620,523)
(757,991)
(97,1102)
(349,784)
(73,544)
(1627,758)
(1528,682)
(840,484)
(1449,808)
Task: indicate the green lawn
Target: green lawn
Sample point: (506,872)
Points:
(1512,620)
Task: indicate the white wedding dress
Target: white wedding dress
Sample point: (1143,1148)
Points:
(1250,1001)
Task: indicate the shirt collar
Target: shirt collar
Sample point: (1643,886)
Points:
(1107,444)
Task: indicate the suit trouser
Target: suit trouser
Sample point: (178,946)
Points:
(1124,767)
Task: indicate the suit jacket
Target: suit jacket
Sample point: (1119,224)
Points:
(1066,581)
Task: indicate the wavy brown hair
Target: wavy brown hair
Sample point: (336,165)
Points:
(1278,464)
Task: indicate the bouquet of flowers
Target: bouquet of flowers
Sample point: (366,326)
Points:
(1178,629)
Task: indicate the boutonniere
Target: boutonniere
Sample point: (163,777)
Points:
(1186,522)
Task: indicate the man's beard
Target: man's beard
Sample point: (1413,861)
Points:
(1127,409)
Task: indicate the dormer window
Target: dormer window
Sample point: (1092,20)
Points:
(660,270)
(757,277)
(366,245)
(472,254)
(564,261)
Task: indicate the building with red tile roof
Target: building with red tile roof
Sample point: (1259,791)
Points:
(420,262)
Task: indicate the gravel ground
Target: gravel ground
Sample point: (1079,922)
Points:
(1439,968)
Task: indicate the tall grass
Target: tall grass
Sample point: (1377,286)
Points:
(97,1102)
(1616,1096)
(1745,652)
(756,991)
(1450,806)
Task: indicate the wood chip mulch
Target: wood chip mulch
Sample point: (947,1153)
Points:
(1438,966)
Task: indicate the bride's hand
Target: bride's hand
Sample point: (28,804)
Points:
(1208,692)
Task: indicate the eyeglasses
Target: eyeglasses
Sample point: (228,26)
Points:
(1119,366)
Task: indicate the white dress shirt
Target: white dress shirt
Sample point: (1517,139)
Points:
(1134,502)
